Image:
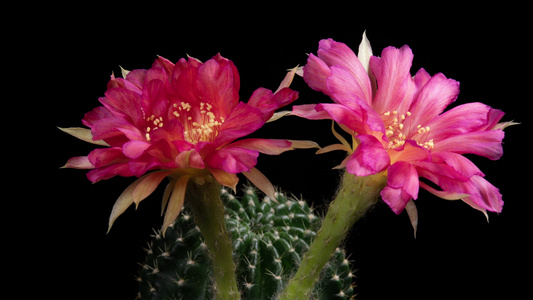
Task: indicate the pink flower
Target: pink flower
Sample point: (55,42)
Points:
(399,127)
(181,121)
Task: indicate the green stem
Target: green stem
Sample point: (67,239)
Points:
(355,196)
(208,210)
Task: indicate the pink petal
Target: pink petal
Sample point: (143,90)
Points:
(433,98)
(345,116)
(232,160)
(309,111)
(102,157)
(487,197)
(483,143)
(134,149)
(95,115)
(104,173)
(410,152)
(163,63)
(338,55)
(446,195)
(403,175)
(396,88)
(345,89)
(316,72)
(457,161)
(123,103)
(189,159)
(461,119)
(267,102)
(368,158)
(395,198)
(243,119)
(216,82)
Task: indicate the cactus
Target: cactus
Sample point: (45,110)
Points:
(269,240)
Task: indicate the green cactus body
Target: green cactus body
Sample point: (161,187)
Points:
(269,240)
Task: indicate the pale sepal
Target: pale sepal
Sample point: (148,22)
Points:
(412,212)
(124,201)
(261,182)
(303,144)
(365,52)
(286,82)
(78,162)
(175,202)
(124,72)
(83,134)
(504,125)
(278,115)
(148,185)
(334,147)
(443,194)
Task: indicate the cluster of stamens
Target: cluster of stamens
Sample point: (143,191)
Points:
(201,127)
(157,122)
(395,131)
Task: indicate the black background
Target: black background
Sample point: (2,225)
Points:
(66,55)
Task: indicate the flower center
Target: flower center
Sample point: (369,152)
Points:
(198,127)
(397,133)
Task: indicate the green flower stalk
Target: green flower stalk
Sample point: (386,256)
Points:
(208,210)
(354,197)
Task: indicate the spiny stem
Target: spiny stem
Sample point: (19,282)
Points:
(355,196)
(208,210)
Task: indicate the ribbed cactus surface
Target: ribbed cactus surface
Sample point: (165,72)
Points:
(269,240)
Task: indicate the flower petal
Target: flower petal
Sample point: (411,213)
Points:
(309,111)
(316,71)
(232,160)
(243,119)
(402,186)
(432,99)
(454,122)
(396,87)
(483,143)
(368,158)
(488,197)
(134,149)
(217,81)
(338,55)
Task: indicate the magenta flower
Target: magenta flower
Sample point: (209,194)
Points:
(181,121)
(399,127)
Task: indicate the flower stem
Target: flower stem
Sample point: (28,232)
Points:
(208,210)
(355,196)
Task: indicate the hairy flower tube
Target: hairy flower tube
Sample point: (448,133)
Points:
(180,121)
(399,127)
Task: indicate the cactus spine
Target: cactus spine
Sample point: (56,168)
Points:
(268,240)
